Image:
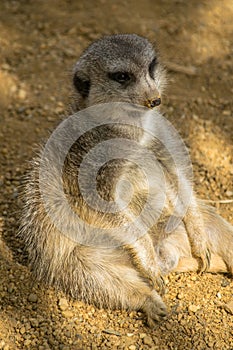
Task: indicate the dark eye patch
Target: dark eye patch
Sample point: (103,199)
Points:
(83,86)
(120,77)
(152,66)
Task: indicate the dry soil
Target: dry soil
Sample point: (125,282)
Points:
(39,44)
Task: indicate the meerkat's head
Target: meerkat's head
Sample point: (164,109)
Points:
(119,68)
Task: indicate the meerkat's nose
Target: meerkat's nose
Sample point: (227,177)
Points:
(153,102)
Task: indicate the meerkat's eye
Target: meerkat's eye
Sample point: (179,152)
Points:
(152,66)
(120,77)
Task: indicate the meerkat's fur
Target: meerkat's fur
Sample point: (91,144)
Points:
(121,68)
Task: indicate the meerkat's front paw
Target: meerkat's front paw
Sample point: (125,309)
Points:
(155,309)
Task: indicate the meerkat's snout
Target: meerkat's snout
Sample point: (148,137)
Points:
(153,102)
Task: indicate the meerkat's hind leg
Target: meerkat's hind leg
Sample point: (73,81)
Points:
(175,253)
(175,256)
(195,228)
(219,234)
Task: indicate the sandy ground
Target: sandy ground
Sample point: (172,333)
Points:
(39,43)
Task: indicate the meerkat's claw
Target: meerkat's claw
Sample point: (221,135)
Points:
(204,261)
(160,282)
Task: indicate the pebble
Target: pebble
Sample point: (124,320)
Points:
(229,307)
(6,347)
(132,347)
(229,193)
(129,341)
(148,340)
(33,298)
(67,314)
(10,289)
(5,66)
(226,112)
(180,295)
(13,89)
(63,304)
(22,94)
(22,330)
(194,308)
(34,322)
(142,335)
(27,342)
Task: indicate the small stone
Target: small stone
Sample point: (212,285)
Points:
(132,347)
(13,89)
(148,340)
(67,333)
(27,342)
(195,117)
(2,343)
(58,110)
(33,298)
(63,304)
(229,307)
(34,322)
(180,295)
(194,308)
(142,335)
(67,314)
(229,193)
(226,112)
(10,289)
(129,341)
(22,330)
(22,94)
(64,347)
(5,66)
(219,295)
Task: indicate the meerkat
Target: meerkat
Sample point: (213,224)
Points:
(120,68)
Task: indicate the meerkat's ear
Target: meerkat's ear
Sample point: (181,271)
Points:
(82,85)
